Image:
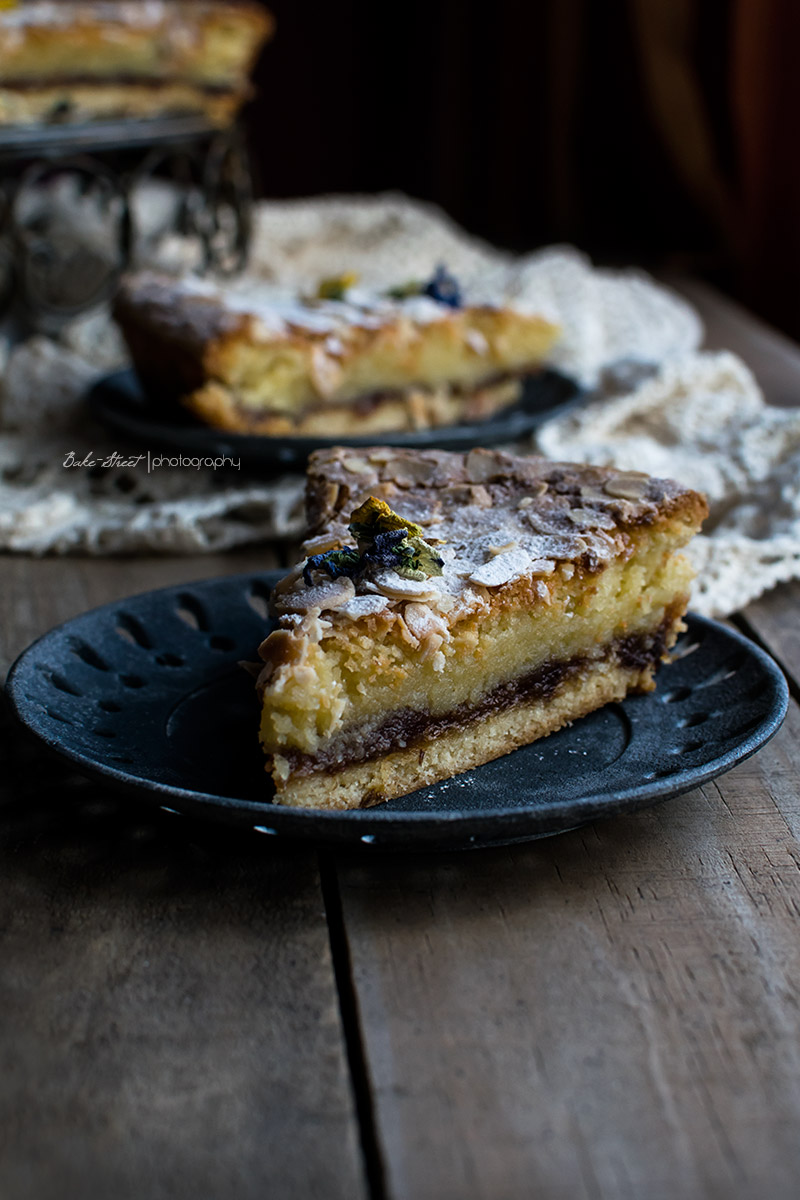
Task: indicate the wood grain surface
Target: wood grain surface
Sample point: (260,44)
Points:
(612,1014)
(171,1023)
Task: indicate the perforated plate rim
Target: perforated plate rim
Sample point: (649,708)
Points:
(381,826)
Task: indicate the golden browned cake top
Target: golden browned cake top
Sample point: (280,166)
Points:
(61,14)
(198,312)
(493,520)
(217,39)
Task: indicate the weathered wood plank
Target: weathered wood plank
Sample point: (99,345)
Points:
(170,1016)
(775,618)
(613,1013)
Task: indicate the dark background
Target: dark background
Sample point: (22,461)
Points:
(661,132)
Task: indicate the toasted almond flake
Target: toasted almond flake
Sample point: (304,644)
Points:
(479,496)
(407,471)
(591,518)
(288,581)
(363,606)
(321,597)
(512,545)
(329,494)
(599,544)
(502,568)
(542,566)
(549,524)
(389,583)
(559,546)
(593,495)
(423,622)
(481,465)
(318,545)
(628,485)
(537,489)
(358,466)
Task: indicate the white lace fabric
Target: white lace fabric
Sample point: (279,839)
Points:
(693,416)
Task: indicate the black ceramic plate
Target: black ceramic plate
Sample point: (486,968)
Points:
(148,695)
(120,402)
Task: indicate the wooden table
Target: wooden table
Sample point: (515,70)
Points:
(191,1012)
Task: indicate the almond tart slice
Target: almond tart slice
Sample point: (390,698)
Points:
(254,359)
(453,607)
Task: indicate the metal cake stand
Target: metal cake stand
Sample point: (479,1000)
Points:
(68,226)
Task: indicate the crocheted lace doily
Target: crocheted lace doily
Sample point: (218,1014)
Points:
(700,418)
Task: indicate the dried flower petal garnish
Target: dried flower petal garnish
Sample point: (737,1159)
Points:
(335,286)
(442,287)
(414,287)
(385,540)
(375,516)
(445,288)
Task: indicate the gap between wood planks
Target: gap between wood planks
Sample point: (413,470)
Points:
(374,1168)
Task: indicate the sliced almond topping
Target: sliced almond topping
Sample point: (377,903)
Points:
(481,465)
(594,495)
(363,606)
(406,471)
(288,581)
(537,489)
(424,622)
(502,568)
(389,583)
(327,497)
(358,466)
(460,493)
(479,496)
(628,485)
(322,597)
(318,545)
(558,546)
(590,518)
(600,545)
